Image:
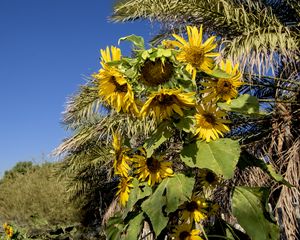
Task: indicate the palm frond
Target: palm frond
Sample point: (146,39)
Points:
(82,105)
(251,33)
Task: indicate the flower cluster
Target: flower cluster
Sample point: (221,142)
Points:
(153,85)
(177,80)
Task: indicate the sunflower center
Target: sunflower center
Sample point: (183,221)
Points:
(209,120)
(156,72)
(153,164)
(183,235)
(192,206)
(194,55)
(118,87)
(210,177)
(165,99)
(224,86)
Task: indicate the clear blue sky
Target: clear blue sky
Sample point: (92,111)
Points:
(46,47)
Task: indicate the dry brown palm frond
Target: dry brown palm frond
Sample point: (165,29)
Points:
(288,205)
(112,209)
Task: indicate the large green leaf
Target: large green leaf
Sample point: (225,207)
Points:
(169,195)
(248,206)
(137,41)
(134,227)
(246,104)
(139,191)
(220,156)
(160,135)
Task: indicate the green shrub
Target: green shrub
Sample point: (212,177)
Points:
(34,197)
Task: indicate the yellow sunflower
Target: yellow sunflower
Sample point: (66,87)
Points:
(210,122)
(184,232)
(9,231)
(224,88)
(121,166)
(113,87)
(152,169)
(197,55)
(124,189)
(194,210)
(163,103)
(208,178)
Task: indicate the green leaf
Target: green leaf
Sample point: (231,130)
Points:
(134,227)
(160,135)
(218,73)
(220,156)
(131,73)
(152,207)
(179,189)
(145,55)
(169,195)
(163,52)
(248,206)
(114,227)
(137,41)
(186,123)
(247,160)
(139,191)
(244,104)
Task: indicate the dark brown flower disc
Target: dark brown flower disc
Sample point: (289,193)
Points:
(156,72)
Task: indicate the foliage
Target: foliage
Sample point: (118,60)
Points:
(19,168)
(34,198)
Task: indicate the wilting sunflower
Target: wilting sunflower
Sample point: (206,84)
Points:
(113,87)
(163,103)
(224,88)
(152,169)
(156,72)
(121,166)
(197,55)
(210,122)
(185,232)
(124,189)
(208,178)
(195,209)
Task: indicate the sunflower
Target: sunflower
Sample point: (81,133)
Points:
(124,189)
(163,103)
(184,232)
(9,231)
(224,88)
(195,209)
(121,166)
(113,87)
(197,55)
(152,169)
(208,178)
(210,122)
(156,72)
